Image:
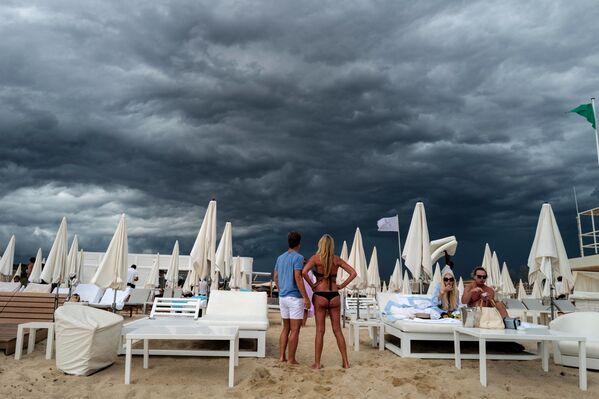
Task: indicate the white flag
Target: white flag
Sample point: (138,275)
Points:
(388,224)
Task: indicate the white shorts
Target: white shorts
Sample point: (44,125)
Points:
(291,307)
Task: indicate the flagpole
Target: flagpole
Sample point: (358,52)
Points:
(596,129)
(399,243)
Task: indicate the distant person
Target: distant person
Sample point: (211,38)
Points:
(16,279)
(132,276)
(203,287)
(30,266)
(478,293)
(445,295)
(325,264)
(293,298)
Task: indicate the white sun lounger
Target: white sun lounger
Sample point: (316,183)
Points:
(585,323)
(9,287)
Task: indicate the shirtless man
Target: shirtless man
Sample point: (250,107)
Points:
(478,291)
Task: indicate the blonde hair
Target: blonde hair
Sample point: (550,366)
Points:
(326,252)
(449,302)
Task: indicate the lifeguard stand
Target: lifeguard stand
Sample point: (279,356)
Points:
(588,239)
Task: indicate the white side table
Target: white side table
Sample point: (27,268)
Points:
(378,335)
(33,327)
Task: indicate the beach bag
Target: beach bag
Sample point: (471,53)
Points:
(488,318)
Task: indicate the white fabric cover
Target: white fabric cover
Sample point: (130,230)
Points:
(121,297)
(8,258)
(586,281)
(248,310)
(438,247)
(112,271)
(341,274)
(585,295)
(203,252)
(36,271)
(585,323)
(33,287)
(89,293)
(56,263)
(9,287)
(357,260)
(73,259)
(417,249)
(374,279)
(87,339)
(224,252)
(507,284)
(172,274)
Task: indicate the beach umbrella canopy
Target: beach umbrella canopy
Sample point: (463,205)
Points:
(384,289)
(8,258)
(18,272)
(203,252)
(537,290)
(357,260)
(395,279)
(435,280)
(224,252)
(461,288)
(496,272)
(341,274)
(187,287)
(417,250)
(36,271)
(112,271)
(442,245)
(73,260)
(80,265)
(548,255)
(172,274)
(374,279)
(486,264)
(235,282)
(521,291)
(152,280)
(506,281)
(406,288)
(56,263)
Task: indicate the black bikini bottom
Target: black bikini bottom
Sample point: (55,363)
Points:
(328,295)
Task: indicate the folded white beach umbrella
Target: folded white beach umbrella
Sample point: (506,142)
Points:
(395,279)
(507,284)
(235,282)
(442,245)
(487,265)
(152,280)
(521,291)
(497,283)
(537,288)
(36,271)
(172,273)
(112,271)
(548,254)
(341,274)
(357,260)
(224,252)
(56,263)
(406,287)
(8,258)
(374,279)
(187,287)
(80,265)
(384,289)
(17,273)
(203,252)
(73,260)
(435,280)
(417,250)
(461,289)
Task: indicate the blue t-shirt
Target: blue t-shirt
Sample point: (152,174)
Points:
(285,266)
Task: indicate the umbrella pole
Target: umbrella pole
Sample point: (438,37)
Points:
(114,302)
(358,306)
(56,300)
(551,300)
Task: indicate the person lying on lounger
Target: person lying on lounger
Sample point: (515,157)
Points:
(478,292)
(325,264)
(445,295)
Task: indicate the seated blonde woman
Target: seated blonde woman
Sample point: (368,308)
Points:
(445,295)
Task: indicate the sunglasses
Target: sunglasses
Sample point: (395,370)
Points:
(483,277)
(448,279)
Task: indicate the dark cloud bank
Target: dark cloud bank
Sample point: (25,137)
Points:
(313,116)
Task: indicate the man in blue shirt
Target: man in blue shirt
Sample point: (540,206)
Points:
(292,296)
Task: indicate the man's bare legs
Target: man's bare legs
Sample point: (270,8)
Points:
(295,325)
(335,315)
(320,313)
(283,340)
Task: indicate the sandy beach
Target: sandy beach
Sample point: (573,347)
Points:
(373,374)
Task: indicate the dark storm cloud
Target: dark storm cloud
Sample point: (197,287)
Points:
(313,116)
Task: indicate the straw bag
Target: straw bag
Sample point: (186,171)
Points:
(488,317)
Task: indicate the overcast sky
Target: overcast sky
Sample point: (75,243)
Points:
(315,116)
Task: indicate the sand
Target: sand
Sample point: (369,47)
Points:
(373,374)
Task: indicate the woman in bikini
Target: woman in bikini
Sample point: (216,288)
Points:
(324,265)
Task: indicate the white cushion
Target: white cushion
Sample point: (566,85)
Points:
(89,292)
(9,287)
(584,323)
(33,287)
(235,303)
(570,348)
(424,326)
(243,322)
(121,296)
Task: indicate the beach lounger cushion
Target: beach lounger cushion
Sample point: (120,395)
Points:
(9,287)
(87,339)
(89,293)
(121,297)
(428,326)
(248,310)
(243,322)
(33,287)
(585,323)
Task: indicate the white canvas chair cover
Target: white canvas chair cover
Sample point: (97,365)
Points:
(87,339)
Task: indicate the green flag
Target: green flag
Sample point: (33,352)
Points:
(586,111)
